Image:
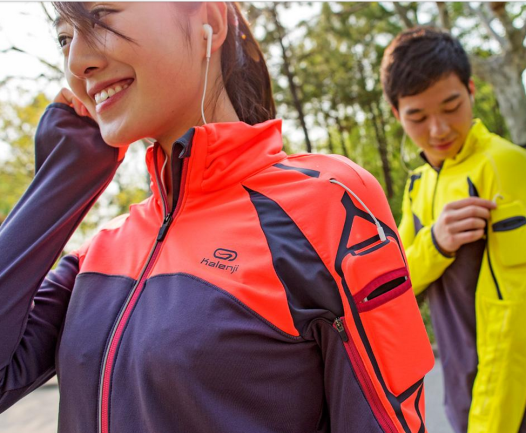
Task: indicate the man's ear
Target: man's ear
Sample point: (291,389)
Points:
(471,87)
(395,112)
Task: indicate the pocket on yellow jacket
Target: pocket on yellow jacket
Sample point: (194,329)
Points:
(499,392)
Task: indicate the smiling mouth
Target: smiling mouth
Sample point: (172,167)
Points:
(110,91)
(443,146)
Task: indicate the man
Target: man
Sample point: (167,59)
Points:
(464,230)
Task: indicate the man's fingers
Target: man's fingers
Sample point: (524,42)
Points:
(467,224)
(471,201)
(469,236)
(468,212)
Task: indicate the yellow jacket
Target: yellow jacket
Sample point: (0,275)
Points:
(492,168)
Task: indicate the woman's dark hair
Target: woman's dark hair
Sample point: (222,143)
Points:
(244,71)
(419,57)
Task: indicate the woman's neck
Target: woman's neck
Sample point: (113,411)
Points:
(220,111)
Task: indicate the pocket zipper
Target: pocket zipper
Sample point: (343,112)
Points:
(363,377)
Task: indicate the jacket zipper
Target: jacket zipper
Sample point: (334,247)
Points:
(131,300)
(434,196)
(497,287)
(363,377)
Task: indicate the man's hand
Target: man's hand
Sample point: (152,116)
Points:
(66,96)
(461,222)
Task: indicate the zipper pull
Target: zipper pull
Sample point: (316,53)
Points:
(338,324)
(164,228)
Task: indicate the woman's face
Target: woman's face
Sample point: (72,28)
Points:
(139,88)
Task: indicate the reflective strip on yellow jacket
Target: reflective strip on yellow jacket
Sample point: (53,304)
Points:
(493,169)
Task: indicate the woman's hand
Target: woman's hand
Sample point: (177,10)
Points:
(66,96)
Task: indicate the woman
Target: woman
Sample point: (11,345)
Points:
(253,292)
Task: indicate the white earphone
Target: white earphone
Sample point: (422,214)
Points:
(209,32)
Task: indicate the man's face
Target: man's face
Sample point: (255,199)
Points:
(438,119)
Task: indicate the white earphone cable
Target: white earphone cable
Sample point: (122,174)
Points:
(379,227)
(204,91)
(402,161)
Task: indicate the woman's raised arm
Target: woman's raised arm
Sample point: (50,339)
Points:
(73,165)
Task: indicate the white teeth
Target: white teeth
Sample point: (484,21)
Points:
(109,92)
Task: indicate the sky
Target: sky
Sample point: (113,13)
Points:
(24,25)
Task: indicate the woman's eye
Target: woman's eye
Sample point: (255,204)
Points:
(100,13)
(63,41)
(418,120)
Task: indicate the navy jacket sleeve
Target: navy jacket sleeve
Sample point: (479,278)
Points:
(73,167)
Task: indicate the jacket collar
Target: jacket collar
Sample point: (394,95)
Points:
(222,154)
(476,134)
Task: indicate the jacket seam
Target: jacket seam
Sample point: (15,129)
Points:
(327,263)
(226,293)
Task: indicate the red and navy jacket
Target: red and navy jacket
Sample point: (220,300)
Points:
(267,299)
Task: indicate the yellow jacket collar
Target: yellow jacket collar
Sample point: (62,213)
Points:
(477,132)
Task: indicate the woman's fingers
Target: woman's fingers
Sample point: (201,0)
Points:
(66,96)
(79,107)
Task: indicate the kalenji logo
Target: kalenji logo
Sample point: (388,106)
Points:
(222,254)
(227,255)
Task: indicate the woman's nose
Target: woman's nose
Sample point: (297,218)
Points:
(84,58)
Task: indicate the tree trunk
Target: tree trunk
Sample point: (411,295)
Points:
(443,13)
(341,129)
(403,13)
(290,77)
(382,150)
(327,126)
(505,76)
(330,143)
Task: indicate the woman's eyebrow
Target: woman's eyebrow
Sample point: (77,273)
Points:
(58,21)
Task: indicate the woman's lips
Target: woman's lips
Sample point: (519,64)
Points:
(113,100)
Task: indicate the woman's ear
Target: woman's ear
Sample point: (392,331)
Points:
(216,15)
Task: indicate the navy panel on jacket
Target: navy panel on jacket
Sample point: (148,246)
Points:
(311,290)
(228,368)
(94,305)
(452,305)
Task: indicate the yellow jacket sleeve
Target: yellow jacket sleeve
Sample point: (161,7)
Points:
(426,262)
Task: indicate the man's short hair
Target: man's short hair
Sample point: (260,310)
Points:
(419,57)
